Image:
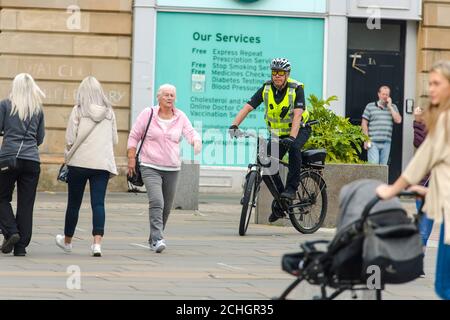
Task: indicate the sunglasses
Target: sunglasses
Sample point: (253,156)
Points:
(278,72)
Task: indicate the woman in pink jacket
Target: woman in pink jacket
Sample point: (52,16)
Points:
(160,157)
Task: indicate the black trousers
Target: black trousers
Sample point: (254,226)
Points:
(295,162)
(26,176)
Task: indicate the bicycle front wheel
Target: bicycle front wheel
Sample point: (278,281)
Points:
(248,202)
(308,214)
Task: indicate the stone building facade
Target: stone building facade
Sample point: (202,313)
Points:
(434,42)
(59,43)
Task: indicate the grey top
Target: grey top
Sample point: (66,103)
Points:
(13,130)
(380,121)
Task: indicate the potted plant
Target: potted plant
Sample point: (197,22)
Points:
(343,142)
(336,134)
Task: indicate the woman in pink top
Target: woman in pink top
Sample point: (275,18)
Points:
(160,157)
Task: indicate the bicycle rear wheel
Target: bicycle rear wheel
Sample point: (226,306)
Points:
(248,202)
(308,214)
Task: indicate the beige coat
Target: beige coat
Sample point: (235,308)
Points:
(95,148)
(434,155)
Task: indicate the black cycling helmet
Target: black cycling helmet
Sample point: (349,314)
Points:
(280,64)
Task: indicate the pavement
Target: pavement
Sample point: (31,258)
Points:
(205,257)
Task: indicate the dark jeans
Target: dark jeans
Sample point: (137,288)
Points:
(295,161)
(442,282)
(425,224)
(98,181)
(26,176)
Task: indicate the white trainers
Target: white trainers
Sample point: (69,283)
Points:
(159,246)
(96,250)
(67,247)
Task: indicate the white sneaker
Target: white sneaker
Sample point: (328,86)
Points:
(67,247)
(96,250)
(159,246)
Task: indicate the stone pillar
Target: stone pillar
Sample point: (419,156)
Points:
(186,196)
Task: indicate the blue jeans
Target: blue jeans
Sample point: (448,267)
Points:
(425,224)
(98,181)
(442,282)
(378,153)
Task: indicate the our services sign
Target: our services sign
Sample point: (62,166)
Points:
(217,62)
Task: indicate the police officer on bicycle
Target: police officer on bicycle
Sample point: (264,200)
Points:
(285,109)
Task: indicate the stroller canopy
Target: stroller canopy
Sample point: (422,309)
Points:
(355,196)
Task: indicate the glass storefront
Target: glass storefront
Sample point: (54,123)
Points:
(218,61)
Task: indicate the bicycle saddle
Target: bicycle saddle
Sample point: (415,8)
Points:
(314,155)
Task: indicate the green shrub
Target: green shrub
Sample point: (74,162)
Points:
(336,134)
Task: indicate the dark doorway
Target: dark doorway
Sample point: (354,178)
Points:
(376,58)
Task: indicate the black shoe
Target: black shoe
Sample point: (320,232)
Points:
(289,194)
(274,217)
(8,245)
(19,251)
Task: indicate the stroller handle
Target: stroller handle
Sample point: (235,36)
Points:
(375,200)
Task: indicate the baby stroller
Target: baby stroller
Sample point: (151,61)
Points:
(371,235)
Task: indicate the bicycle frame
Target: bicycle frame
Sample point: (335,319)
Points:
(259,167)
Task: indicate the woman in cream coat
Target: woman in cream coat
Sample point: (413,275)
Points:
(90,137)
(433,155)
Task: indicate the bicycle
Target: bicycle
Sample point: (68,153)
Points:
(307,212)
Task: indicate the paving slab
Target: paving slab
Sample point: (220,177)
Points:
(205,257)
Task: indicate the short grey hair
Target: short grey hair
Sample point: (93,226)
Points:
(384,87)
(166,86)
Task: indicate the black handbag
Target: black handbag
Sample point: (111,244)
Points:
(136,178)
(10,163)
(63,173)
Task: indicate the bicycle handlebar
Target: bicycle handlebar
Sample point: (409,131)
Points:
(309,123)
(244,134)
(247,135)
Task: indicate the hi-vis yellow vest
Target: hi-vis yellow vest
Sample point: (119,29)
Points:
(279,116)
